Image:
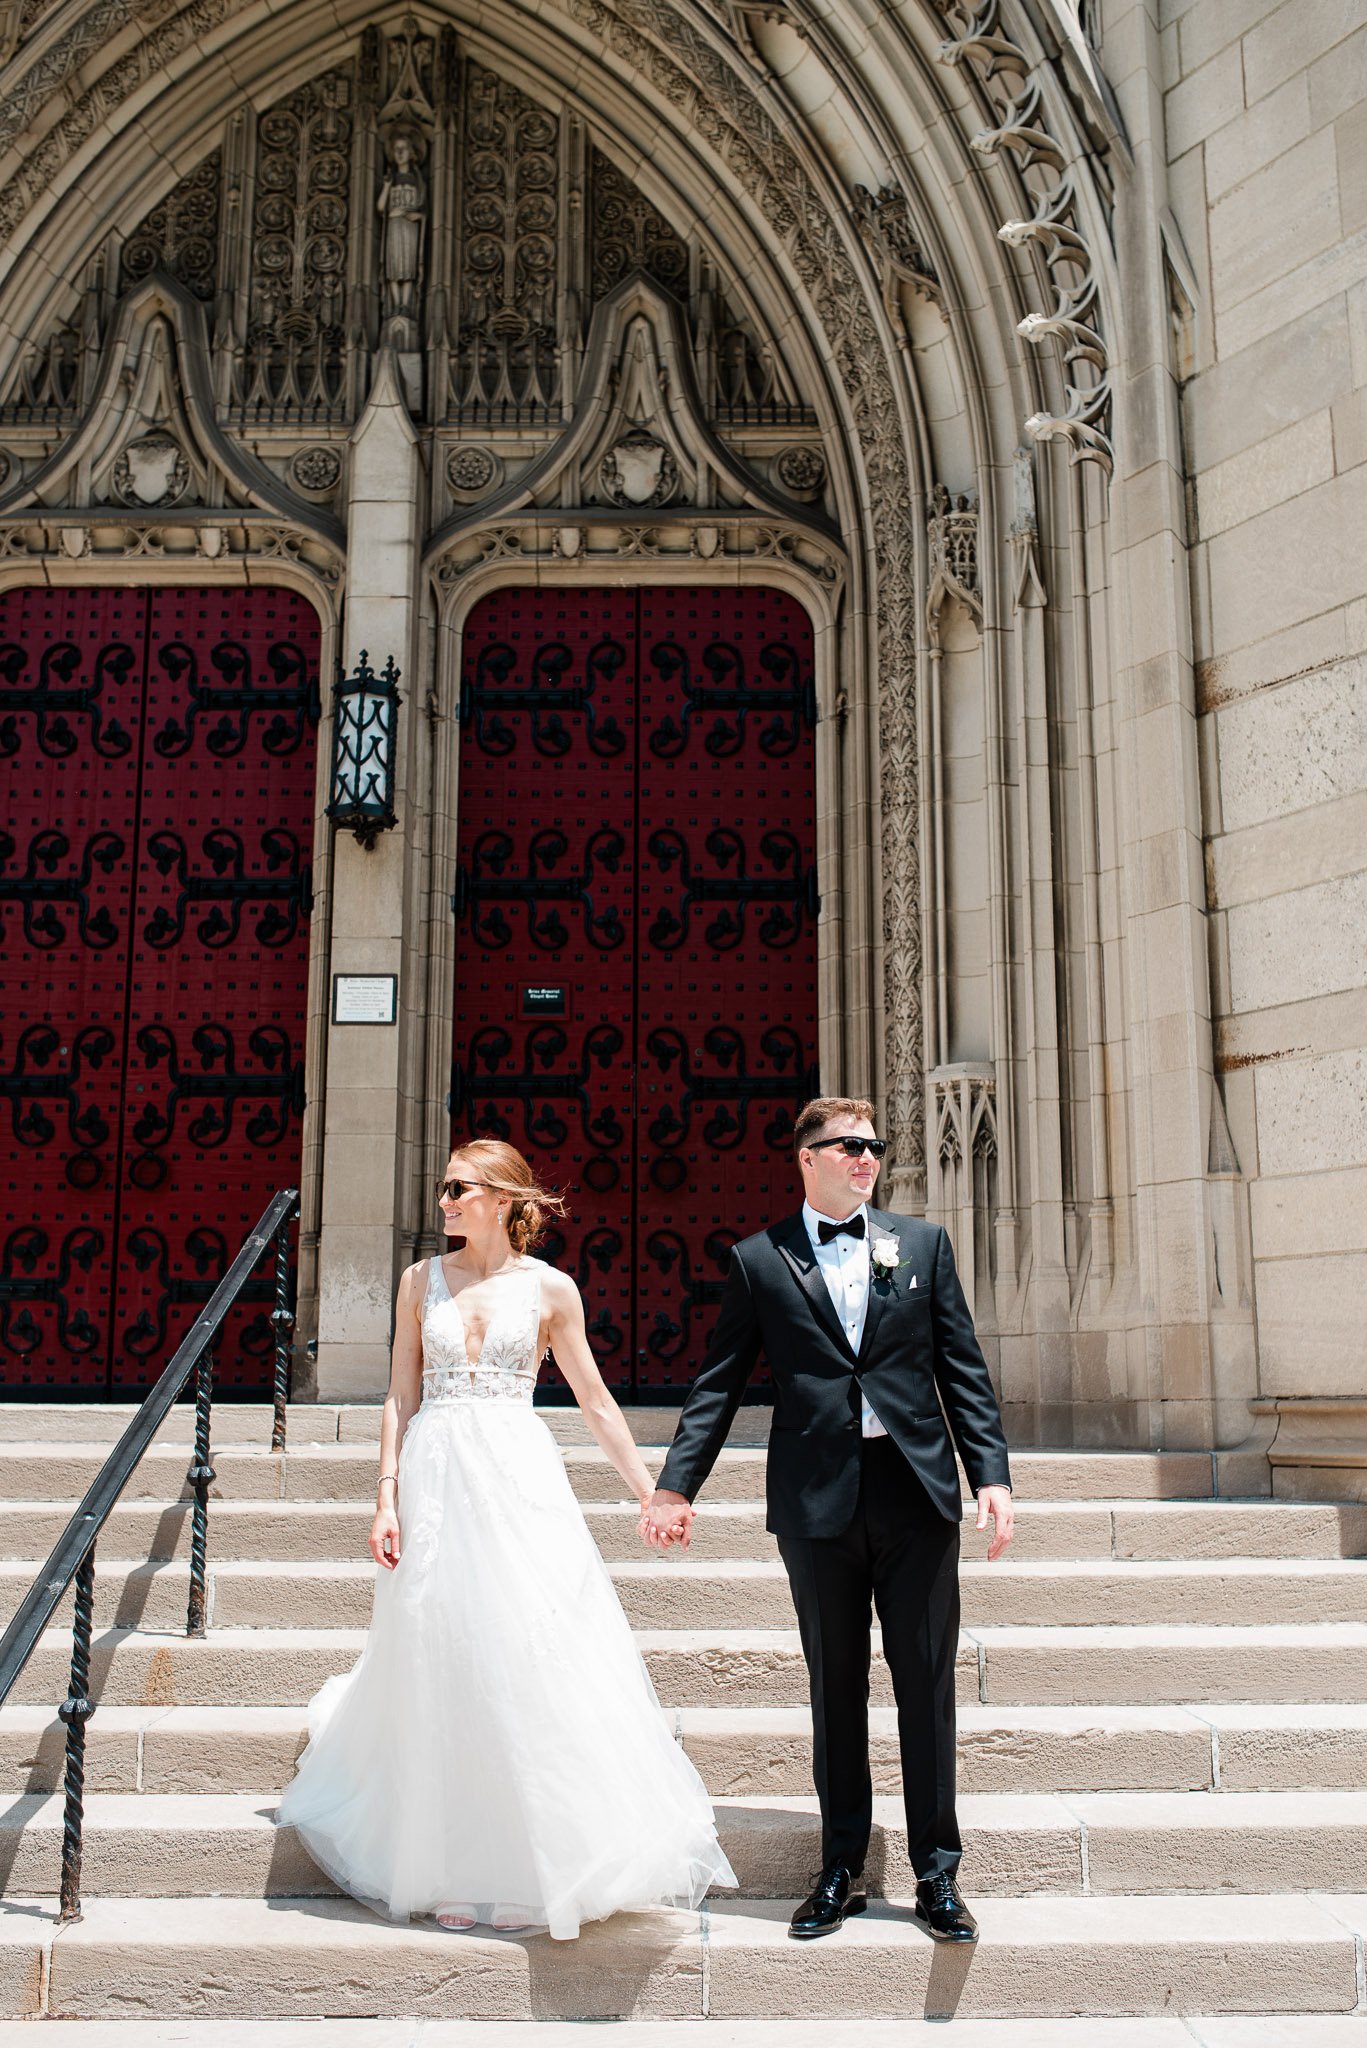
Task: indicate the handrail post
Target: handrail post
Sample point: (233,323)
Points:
(75,1711)
(71,1561)
(282,1319)
(201,1476)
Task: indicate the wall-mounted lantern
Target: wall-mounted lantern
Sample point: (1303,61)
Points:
(364,724)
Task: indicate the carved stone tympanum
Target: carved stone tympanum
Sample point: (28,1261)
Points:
(628,233)
(180,236)
(299,254)
(506,361)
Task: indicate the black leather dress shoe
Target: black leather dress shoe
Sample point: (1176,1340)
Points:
(941,1910)
(830,1900)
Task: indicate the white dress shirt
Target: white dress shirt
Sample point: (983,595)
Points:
(844,1264)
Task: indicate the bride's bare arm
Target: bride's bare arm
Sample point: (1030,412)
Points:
(400,1406)
(569,1342)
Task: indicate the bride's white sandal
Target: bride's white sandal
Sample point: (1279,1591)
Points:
(455,1919)
(511,1920)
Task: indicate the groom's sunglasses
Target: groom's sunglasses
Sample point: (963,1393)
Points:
(853,1148)
(452,1190)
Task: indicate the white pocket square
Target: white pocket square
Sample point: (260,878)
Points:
(913,1280)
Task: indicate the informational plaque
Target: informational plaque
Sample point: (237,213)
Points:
(543,1000)
(365,998)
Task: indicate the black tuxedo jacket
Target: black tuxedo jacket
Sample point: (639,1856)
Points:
(918,1362)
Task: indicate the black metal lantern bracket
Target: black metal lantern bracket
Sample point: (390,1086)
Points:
(364,730)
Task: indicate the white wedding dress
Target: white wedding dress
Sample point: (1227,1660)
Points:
(499,1741)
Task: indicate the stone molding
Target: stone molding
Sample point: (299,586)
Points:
(153,377)
(1054,226)
(638,439)
(1316,1447)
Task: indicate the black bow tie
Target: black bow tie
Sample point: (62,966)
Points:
(853,1224)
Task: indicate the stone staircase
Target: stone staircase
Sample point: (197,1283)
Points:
(1163,1754)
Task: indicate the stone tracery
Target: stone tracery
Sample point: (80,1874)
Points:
(180,234)
(293,362)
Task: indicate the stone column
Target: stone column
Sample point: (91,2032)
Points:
(362,1151)
(1197,1391)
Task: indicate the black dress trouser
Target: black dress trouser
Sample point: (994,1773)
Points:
(900,1555)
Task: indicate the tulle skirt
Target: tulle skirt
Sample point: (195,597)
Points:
(499,1740)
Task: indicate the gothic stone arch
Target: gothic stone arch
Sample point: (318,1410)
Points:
(899,322)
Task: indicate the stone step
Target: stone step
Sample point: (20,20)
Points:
(1324,1663)
(285,1667)
(757,1751)
(1079,1474)
(1042,1957)
(249,1958)
(195,1845)
(1312,2030)
(311,1472)
(1129,1531)
(659,1593)
(307,1422)
(35,1470)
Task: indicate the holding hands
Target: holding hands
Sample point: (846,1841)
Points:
(665,1518)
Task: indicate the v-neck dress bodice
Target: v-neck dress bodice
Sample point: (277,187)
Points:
(506,1367)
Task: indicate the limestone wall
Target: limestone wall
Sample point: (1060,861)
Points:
(1266,121)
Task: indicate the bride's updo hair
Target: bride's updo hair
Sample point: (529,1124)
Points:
(501,1166)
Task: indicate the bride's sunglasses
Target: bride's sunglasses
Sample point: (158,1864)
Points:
(853,1148)
(452,1190)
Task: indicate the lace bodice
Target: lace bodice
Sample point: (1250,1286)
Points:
(510,1354)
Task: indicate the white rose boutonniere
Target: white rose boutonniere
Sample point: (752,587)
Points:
(883,1257)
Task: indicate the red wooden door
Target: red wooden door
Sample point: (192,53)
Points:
(159,750)
(636,934)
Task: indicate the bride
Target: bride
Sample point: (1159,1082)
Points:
(498,1753)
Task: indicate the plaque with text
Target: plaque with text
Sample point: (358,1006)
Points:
(545,999)
(365,998)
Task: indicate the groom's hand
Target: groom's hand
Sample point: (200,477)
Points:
(666,1518)
(996,1501)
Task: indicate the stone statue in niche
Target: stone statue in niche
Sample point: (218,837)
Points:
(402,205)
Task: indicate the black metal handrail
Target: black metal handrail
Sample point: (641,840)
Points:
(73,1555)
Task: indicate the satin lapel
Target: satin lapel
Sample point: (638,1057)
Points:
(796,1248)
(879,1290)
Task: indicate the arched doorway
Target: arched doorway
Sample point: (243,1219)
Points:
(155,892)
(636,954)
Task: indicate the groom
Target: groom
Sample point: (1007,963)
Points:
(877,1375)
